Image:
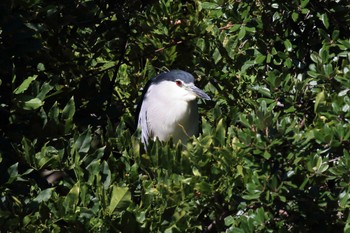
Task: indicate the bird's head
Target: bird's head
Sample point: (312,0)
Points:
(178,85)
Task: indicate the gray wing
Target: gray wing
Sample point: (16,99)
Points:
(142,121)
(143,124)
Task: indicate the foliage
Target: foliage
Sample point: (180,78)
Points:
(274,152)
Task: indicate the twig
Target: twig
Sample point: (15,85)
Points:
(168,46)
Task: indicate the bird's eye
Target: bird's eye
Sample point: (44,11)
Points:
(178,83)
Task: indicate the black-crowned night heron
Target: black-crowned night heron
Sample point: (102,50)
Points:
(168,108)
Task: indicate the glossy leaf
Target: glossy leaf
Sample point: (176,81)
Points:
(24,86)
(33,104)
(120,198)
(272,150)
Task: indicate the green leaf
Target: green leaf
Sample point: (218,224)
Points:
(266,155)
(13,172)
(240,170)
(229,220)
(106,175)
(247,64)
(204,187)
(25,84)
(262,90)
(45,88)
(120,199)
(344,199)
(319,99)
(234,28)
(315,58)
(304,3)
(241,33)
(253,196)
(335,35)
(323,168)
(288,45)
(72,199)
(276,16)
(220,133)
(328,69)
(325,20)
(33,104)
(260,58)
(344,92)
(217,56)
(295,16)
(94,170)
(40,67)
(324,55)
(54,112)
(275,5)
(196,172)
(69,109)
(83,143)
(44,195)
(201,44)
(208,6)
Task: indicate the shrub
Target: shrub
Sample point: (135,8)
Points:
(274,152)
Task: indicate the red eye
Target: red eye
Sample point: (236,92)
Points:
(178,82)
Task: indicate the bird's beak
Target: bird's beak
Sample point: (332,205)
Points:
(199,93)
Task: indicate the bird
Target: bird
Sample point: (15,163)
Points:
(168,107)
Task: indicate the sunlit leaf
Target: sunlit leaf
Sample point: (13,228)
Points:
(44,195)
(120,198)
(319,99)
(106,175)
(69,109)
(288,45)
(220,133)
(72,199)
(32,104)
(25,84)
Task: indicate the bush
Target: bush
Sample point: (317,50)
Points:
(274,152)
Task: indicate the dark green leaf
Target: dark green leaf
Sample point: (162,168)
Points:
(69,110)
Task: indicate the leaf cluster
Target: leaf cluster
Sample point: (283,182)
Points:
(273,155)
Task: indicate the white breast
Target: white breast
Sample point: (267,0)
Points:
(168,116)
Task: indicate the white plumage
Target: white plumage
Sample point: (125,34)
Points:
(169,108)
